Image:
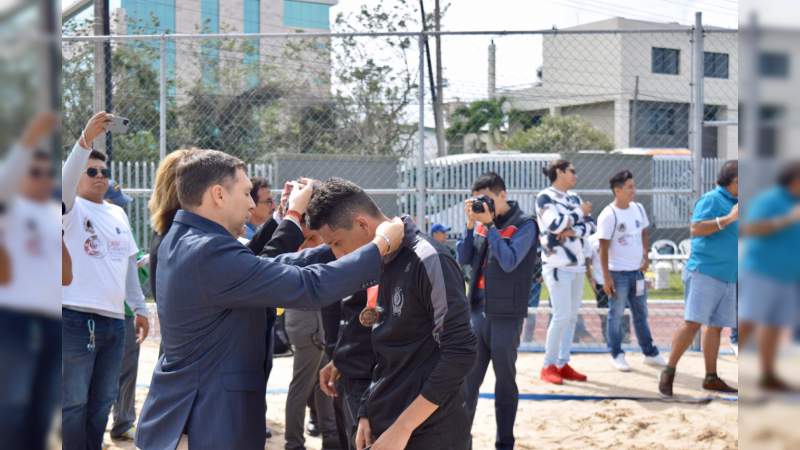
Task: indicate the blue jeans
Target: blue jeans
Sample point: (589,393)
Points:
(625,294)
(29,379)
(90,370)
(566,295)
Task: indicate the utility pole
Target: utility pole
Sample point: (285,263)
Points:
(102,74)
(51,61)
(439,99)
(492,85)
(435,86)
(492,89)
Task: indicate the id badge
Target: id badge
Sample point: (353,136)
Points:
(640,287)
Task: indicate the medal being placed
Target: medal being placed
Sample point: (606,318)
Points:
(368,316)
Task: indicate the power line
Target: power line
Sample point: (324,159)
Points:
(615,10)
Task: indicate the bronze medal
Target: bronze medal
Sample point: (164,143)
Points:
(368,316)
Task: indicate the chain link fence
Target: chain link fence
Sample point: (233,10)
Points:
(359,106)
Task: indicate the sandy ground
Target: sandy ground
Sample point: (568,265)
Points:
(563,424)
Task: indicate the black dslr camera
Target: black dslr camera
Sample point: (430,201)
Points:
(482,203)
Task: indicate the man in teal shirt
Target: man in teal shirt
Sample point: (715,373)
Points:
(710,278)
(770,273)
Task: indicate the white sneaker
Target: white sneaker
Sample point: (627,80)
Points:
(656,360)
(620,364)
(735,348)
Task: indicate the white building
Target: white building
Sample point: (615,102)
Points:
(778,90)
(605,77)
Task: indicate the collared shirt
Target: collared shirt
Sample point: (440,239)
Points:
(715,255)
(249,230)
(773,255)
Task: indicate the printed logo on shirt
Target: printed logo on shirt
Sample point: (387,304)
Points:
(93,247)
(398,298)
(117,250)
(118,230)
(87,226)
(33,245)
(638,224)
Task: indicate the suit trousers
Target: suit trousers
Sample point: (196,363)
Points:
(304,329)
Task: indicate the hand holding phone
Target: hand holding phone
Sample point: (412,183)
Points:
(118,125)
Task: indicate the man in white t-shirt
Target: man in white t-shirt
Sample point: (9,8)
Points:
(622,231)
(30,326)
(98,237)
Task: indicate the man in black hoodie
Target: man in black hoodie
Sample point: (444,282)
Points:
(421,335)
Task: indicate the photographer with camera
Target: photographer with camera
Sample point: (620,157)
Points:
(500,246)
(565,221)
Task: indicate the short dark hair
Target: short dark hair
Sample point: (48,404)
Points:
(619,179)
(491,181)
(201,170)
(258,183)
(789,173)
(98,156)
(551,171)
(334,202)
(727,173)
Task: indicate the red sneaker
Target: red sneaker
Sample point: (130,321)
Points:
(568,373)
(551,374)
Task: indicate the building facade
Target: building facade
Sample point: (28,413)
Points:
(636,87)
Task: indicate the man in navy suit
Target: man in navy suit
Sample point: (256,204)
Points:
(208,387)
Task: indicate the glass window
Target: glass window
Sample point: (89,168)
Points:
(715,65)
(773,65)
(299,14)
(666,60)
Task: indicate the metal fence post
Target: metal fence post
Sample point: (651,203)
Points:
(696,143)
(421,153)
(162,103)
(698,102)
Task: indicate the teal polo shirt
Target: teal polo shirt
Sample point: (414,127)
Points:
(715,255)
(773,256)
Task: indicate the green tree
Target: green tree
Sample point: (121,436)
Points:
(477,117)
(556,134)
(135,84)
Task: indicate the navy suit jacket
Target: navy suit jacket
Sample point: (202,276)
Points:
(212,294)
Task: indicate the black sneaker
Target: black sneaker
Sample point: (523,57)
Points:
(312,429)
(665,383)
(269,432)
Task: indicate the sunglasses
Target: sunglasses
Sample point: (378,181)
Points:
(38,173)
(93,172)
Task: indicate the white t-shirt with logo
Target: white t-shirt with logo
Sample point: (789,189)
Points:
(99,239)
(33,238)
(623,227)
